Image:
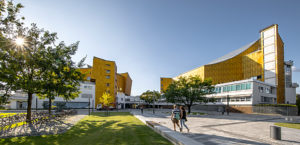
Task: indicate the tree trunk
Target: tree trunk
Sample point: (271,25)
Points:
(50,104)
(29,101)
(189,108)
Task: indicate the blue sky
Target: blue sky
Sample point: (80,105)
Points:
(155,38)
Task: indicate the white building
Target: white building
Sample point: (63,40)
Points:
(244,92)
(290,87)
(86,97)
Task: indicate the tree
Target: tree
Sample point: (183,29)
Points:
(188,90)
(107,100)
(8,19)
(62,77)
(150,96)
(27,60)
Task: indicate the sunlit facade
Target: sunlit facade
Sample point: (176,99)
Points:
(104,74)
(261,60)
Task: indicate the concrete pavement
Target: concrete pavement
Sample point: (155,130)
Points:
(233,129)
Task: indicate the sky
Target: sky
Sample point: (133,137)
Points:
(164,38)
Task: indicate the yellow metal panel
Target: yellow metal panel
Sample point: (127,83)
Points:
(164,83)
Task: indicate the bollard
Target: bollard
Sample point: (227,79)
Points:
(275,132)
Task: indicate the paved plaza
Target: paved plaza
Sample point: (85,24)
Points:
(235,128)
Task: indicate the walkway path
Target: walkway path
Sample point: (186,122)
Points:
(233,129)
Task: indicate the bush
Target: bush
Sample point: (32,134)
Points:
(2,108)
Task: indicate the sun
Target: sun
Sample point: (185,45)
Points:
(19,41)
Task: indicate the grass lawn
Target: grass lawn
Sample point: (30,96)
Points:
(289,125)
(3,115)
(120,128)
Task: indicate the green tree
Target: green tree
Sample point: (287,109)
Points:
(8,19)
(26,56)
(188,90)
(62,77)
(150,96)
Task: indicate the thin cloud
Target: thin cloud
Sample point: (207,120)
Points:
(294,69)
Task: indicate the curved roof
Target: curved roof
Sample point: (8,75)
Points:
(232,54)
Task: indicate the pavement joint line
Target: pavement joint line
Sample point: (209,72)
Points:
(243,136)
(241,122)
(174,137)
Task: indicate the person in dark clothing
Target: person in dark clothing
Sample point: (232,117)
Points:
(183,119)
(142,109)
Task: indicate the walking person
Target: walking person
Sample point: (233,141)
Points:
(142,109)
(183,119)
(175,117)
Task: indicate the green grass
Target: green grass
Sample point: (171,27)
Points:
(289,125)
(120,128)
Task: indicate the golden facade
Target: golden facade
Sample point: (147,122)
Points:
(250,61)
(104,74)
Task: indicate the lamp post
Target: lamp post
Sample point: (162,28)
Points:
(227,104)
(36,103)
(89,105)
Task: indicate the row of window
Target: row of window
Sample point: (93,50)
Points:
(229,88)
(88,87)
(264,90)
(243,99)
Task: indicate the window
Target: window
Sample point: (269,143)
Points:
(243,86)
(268,90)
(243,99)
(88,87)
(248,86)
(232,100)
(223,99)
(259,77)
(238,87)
(107,84)
(107,71)
(228,88)
(233,88)
(108,77)
(248,98)
(261,89)
(224,89)
(107,64)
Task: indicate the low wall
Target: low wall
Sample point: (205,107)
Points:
(292,111)
(287,111)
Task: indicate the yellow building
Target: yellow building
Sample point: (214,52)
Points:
(124,83)
(262,59)
(104,74)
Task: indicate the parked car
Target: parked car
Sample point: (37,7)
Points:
(99,107)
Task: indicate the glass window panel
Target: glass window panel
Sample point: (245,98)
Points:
(233,88)
(243,86)
(224,89)
(248,86)
(228,88)
(238,87)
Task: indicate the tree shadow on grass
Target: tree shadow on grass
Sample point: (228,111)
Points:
(98,130)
